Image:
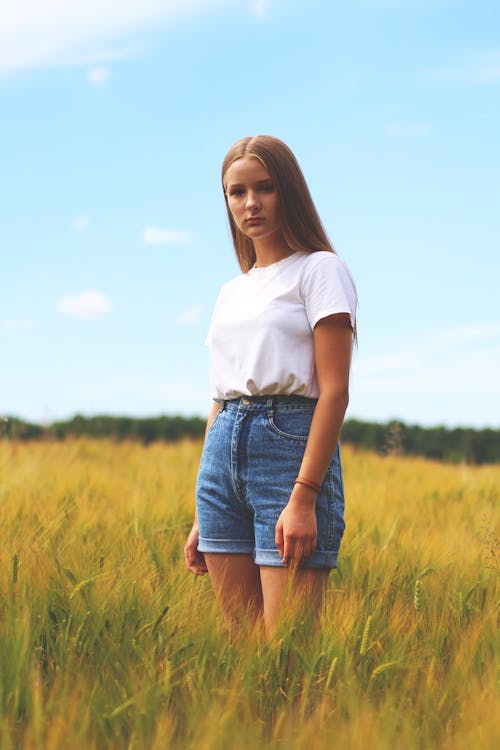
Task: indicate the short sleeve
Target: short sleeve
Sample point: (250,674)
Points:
(208,338)
(328,288)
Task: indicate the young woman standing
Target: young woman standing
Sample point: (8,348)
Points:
(269,493)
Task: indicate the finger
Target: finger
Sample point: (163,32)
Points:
(197,567)
(192,559)
(278,538)
(202,566)
(287,551)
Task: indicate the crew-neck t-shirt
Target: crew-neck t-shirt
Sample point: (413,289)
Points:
(260,337)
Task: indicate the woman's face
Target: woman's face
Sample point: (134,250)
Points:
(251,198)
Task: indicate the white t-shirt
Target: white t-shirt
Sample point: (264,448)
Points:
(261,335)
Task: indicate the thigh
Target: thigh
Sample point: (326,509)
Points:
(225,523)
(275,450)
(237,584)
(276,446)
(291,591)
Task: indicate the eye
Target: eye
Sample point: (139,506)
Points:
(236,191)
(267,187)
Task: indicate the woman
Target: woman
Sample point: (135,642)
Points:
(269,492)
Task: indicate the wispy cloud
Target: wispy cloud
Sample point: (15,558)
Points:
(470,333)
(459,362)
(18,325)
(98,75)
(260,7)
(194,397)
(56,32)
(81,223)
(154,235)
(87,305)
(190,317)
(97,55)
(134,392)
(479,69)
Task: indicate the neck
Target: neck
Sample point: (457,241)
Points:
(269,251)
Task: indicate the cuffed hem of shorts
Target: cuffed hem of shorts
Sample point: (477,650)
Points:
(227,546)
(318,559)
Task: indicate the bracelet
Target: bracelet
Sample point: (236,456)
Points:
(308,483)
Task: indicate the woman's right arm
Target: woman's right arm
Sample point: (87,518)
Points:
(213,413)
(195,560)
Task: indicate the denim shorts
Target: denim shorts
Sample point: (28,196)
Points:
(251,458)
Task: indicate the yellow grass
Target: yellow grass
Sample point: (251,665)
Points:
(107,642)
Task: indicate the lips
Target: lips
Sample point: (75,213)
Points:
(254,220)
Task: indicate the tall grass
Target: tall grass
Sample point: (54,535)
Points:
(107,642)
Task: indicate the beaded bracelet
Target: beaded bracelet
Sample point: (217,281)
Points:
(308,483)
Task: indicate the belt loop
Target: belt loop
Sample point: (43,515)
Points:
(269,405)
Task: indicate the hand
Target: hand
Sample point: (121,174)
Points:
(296,529)
(195,560)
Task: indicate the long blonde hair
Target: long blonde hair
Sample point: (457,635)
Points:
(301,226)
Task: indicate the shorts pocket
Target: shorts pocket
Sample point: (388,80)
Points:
(216,419)
(293,424)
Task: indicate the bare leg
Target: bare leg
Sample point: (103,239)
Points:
(237,586)
(298,589)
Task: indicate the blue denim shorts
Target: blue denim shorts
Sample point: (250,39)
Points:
(251,458)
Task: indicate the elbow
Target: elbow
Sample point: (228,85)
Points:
(344,399)
(338,398)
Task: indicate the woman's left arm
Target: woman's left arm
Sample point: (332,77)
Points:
(296,526)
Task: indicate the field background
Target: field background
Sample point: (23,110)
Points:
(107,642)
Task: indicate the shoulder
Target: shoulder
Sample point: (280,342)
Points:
(324,259)
(323,265)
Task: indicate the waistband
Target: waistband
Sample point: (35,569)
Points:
(268,402)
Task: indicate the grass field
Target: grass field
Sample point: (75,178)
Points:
(107,642)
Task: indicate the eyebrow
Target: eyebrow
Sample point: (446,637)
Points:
(257,182)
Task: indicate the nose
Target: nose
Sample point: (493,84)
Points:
(252,202)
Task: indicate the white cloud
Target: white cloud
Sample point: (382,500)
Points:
(153,235)
(18,325)
(190,317)
(140,393)
(87,305)
(472,332)
(461,362)
(81,223)
(480,69)
(182,397)
(98,75)
(259,7)
(106,54)
(408,129)
(381,364)
(65,32)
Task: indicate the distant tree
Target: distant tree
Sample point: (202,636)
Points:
(392,438)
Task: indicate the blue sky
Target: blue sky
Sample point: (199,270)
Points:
(115,118)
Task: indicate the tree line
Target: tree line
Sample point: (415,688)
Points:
(390,438)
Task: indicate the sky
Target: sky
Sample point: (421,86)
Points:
(114,120)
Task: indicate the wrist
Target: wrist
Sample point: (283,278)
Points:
(305,481)
(303,496)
